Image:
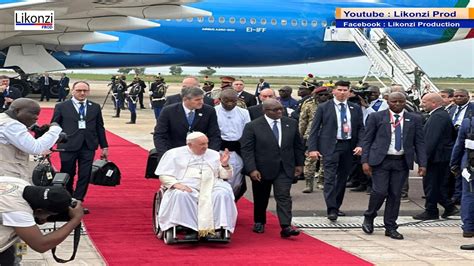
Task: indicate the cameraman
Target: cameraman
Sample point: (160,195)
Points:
(23,206)
(16,143)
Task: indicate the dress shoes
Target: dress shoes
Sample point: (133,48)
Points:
(467,247)
(351,184)
(130,122)
(289,231)
(340,213)
(467,234)
(360,188)
(450,212)
(258,228)
(424,216)
(394,234)
(368,226)
(332,216)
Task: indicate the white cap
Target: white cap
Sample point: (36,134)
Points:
(194,135)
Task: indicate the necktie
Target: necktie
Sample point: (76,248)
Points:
(456,116)
(398,134)
(275,130)
(343,120)
(82,109)
(190,118)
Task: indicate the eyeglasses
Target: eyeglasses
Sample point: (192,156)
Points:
(275,109)
(82,91)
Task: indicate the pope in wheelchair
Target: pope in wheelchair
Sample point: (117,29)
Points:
(194,198)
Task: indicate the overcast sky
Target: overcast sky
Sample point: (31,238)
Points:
(448,59)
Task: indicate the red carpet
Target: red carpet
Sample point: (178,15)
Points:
(120,225)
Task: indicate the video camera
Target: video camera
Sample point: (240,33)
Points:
(40,130)
(60,180)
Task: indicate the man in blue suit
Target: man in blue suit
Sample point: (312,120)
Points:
(336,135)
(462,109)
(392,139)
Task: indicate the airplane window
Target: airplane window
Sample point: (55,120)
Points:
(232,20)
(294,22)
(274,21)
(200,19)
(263,21)
(242,20)
(253,21)
(324,23)
(314,23)
(179,19)
(221,20)
(189,19)
(304,23)
(284,22)
(210,19)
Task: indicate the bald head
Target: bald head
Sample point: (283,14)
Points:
(266,94)
(431,101)
(272,108)
(24,110)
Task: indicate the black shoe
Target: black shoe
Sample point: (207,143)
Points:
(351,184)
(332,216)
(368,226)
(467,234)
(339,213)
(115,116)
(258,228)
(86,211)
(360,188)
(394,234)
(450,212)
(426,216)
(130,122)
(289,231)
(456,201)
(467,247)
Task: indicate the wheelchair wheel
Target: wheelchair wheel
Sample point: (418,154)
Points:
(156,210)
(168,237)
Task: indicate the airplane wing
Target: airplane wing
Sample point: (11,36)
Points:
(78,23)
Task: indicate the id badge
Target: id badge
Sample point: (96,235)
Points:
(81,124)
(346,128)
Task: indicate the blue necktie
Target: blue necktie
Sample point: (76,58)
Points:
(190,118)
(82,109)
(456,116)
(343,120)
(398,134)
(275,130)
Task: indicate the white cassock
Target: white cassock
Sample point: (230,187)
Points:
(231,124)
(210,205)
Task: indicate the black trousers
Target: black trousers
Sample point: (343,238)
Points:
(7,257)
(281,190)
(435,186)
(84,159)
(337,167)
(140,100)
(387,182)
(45,92)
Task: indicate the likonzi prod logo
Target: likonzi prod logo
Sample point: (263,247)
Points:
(34,20)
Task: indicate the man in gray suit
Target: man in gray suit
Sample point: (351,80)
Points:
(392,138)
(336,135)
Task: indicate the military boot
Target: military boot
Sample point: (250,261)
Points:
(309,185)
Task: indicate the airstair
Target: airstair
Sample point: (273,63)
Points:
(393,63)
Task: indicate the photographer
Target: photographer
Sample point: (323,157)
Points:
(16,143)
(23,206)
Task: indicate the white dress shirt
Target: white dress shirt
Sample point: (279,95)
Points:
(270,123)
(461,115)
(391,148)
(348,118)
(231,123)
(77,105)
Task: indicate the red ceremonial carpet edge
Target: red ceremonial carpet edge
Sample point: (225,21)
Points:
(120,225)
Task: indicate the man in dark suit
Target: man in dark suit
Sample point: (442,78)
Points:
(256,111)
(45,82)
(244,96)
(262,84)
(188,82)
(439,139)
(392,138)
(273,154)
(7,93)
(336,135)
(176,121)
(62,85)
(81,119)
(462,109)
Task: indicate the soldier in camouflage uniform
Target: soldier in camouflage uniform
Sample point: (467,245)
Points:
(308,109)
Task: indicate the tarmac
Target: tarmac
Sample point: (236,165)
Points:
(426,243)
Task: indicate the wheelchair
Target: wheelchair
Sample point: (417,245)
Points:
(181,234)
